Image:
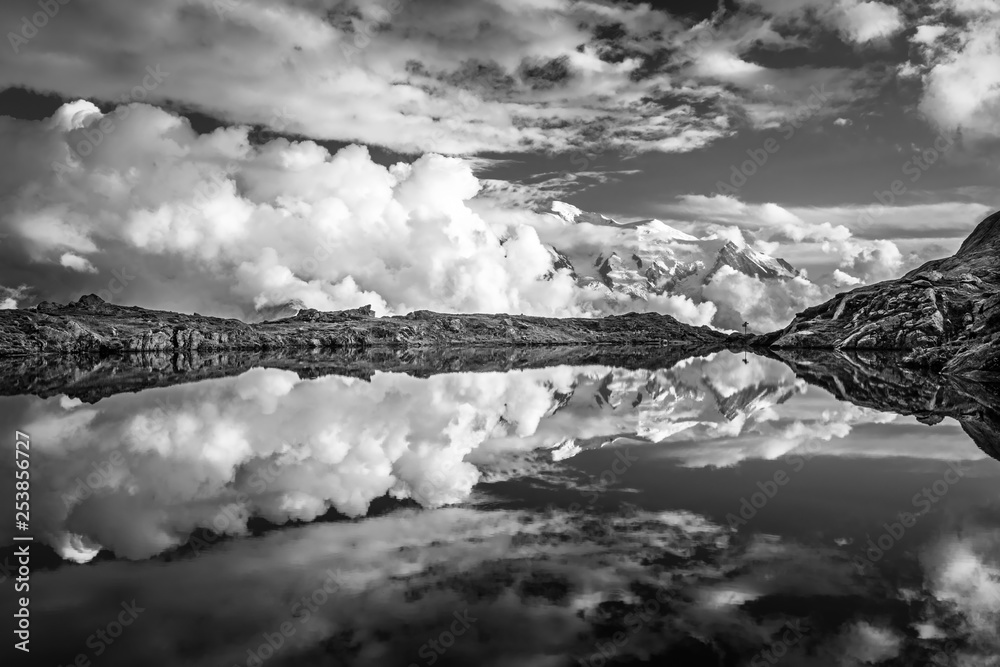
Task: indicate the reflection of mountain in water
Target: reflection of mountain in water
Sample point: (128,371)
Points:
(752,399)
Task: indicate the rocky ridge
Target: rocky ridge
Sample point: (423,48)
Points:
(92,326)
(944,315)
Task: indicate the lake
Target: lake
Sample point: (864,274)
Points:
(722,510)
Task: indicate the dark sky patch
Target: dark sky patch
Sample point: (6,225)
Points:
(825,48)
(485,77)
(27,104)
(545,74)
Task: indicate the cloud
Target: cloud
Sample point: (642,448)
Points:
(856,22)
(865,22)
(829,230)
(962,572)
(962,76)
(928,34)
(531,583)
(842,279)
(491,75)
(210,224)
(767,305)
(10,297)
(869,644)
(874,261)
(77,263)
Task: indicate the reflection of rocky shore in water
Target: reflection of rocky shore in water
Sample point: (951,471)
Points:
(92,377)
(877,380)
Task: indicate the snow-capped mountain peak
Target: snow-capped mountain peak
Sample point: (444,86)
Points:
(649,261)
(662,229)
(751,262)
(574,216)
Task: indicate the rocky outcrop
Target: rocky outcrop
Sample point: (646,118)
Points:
(92,326)
(945,315)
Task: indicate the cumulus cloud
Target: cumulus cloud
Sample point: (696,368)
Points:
(962,75)
(840,278)
(874,261)
(927,34)
(768,305)
(211,224)
(864,22)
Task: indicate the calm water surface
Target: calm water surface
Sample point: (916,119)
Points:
(720,512)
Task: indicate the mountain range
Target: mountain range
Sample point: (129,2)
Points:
(636,262)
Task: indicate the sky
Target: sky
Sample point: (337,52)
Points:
(205,149)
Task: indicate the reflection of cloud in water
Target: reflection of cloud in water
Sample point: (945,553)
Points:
(552,584)
(537,584)
(963,576)
(268,443)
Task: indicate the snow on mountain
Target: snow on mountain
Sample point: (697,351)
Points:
(573,215)
(647,260)
(748,261)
